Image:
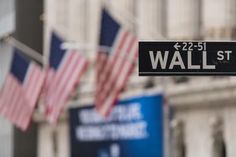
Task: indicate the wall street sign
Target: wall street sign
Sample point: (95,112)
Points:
(187,58)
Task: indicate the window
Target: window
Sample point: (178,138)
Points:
(178,139)
(180,79)
(218,142)
(55,142)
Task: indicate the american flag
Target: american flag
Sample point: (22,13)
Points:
(115,62)
(21,90)
(63,75)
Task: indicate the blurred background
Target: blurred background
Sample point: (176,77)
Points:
(203,109)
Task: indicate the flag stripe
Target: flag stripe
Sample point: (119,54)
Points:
(110,63)
(113,67)
(53,85)
(116,51)
(77,75)
(36,85)
(69,74)
(65,81)
(61,76)
(107,106)
(66,87)
(9,90)
(117,66)
(18,97)
(61,79)
(62,69)
(15,98)
(107,75)
(28,84)
(120,73)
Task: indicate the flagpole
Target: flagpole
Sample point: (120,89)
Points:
(25,49)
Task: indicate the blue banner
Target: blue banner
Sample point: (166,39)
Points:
(133,129)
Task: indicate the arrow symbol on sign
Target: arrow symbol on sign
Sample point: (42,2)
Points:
(177,46)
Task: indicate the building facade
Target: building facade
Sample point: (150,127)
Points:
(199,102)
(205,110)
